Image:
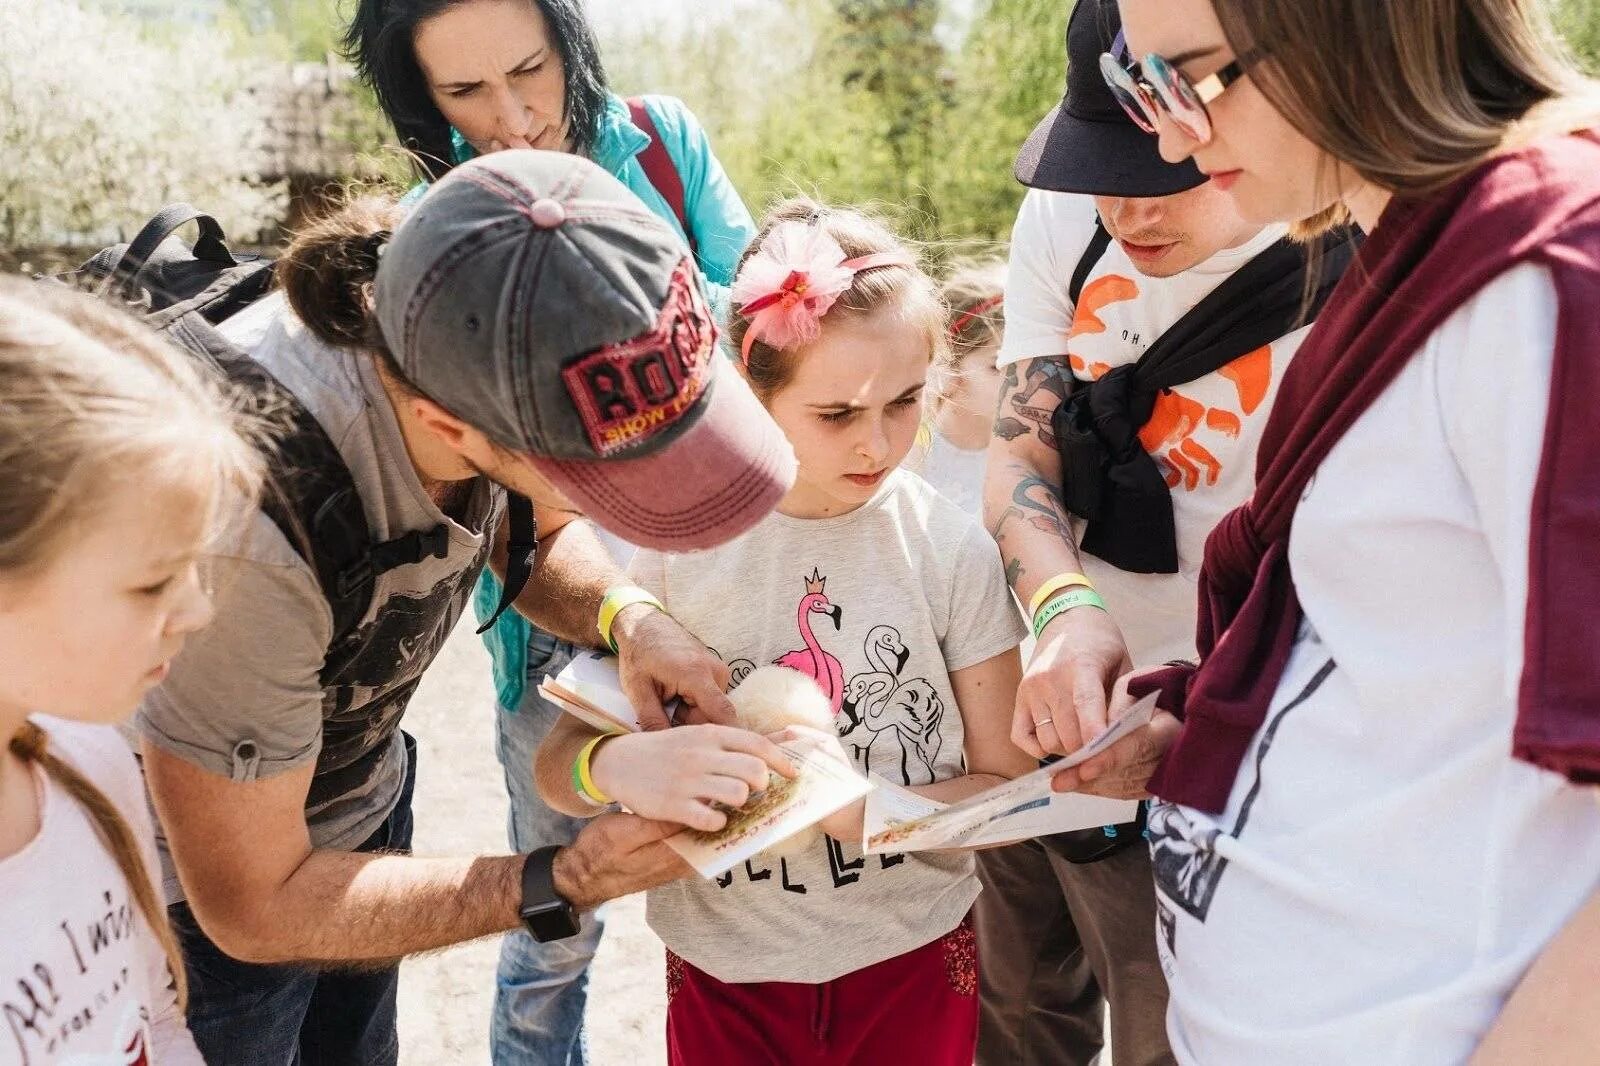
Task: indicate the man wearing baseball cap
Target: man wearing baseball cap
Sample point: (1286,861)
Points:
(529,326)
(1147,327)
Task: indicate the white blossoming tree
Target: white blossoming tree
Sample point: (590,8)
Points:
(101,124)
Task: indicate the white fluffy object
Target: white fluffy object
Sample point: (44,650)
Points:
(770,700)
(774,697)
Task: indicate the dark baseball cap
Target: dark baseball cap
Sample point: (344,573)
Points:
(536,298)
(1088,144)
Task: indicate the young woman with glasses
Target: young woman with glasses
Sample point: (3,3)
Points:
(1379,840)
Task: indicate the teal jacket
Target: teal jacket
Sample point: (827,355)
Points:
(722,227)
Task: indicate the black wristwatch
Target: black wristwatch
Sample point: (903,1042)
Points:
(547,915)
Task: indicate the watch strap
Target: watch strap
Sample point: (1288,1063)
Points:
(538,877)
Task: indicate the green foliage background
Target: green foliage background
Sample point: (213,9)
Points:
(892,101)
(916,106)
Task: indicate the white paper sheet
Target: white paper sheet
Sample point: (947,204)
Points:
(897,820)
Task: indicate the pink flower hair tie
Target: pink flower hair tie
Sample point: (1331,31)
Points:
(793,280)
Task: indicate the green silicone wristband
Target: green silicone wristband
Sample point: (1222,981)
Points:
(1077,596)
(577,781)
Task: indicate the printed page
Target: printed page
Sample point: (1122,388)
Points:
(990,816)
(890,805)
(590,689)
(825,784)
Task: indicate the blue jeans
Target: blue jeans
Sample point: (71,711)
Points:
(289,1015)
(540,989)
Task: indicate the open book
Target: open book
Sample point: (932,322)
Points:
(590,690)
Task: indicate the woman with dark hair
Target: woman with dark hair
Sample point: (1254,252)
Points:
(460,78)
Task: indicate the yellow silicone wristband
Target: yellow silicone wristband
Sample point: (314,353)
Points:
(1053,586)
(582,779)
(615,601)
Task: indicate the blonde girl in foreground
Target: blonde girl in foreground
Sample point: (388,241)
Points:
(116,457)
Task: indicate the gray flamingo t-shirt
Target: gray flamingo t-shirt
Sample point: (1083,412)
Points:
(244,698)
(880,606)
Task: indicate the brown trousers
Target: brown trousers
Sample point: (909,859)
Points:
(1058,942)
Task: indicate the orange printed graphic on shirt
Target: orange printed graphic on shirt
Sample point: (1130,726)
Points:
(1169,434)
(1251,374)
(1096,296)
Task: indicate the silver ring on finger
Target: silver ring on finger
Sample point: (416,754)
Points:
(1042,721)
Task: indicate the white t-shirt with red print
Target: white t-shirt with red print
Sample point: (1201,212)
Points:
(881,606)
(1202,435)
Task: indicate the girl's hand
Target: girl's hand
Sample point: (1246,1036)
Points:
(676,775)
(844,825)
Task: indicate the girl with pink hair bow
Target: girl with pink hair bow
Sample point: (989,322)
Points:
(892,601)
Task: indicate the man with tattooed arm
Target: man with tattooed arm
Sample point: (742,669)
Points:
(1112,249)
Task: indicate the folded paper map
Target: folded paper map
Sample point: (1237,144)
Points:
(899,820)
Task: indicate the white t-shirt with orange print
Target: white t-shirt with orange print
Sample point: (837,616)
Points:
(1202,435)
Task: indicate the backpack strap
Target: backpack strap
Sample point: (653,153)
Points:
(1091,255)
(312,498)
(212,245)
(660,169)
(522,544)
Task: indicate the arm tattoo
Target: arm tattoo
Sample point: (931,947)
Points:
(1028,408)
(1038,503)
(1032,393)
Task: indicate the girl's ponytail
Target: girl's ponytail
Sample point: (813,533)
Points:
(330,267)
(32,745)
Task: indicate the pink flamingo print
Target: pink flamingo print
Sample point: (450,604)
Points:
(811,660)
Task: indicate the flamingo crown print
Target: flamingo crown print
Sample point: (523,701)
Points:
(812,660)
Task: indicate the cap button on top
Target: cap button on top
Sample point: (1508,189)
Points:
(547,213)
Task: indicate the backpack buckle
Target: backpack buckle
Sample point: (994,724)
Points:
(354,576)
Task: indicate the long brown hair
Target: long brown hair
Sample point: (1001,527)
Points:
(88,398)
(1411,96)
(32,745)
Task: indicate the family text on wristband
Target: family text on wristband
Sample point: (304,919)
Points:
(582,782)
(615,601)
(1072,597)
(1053,586)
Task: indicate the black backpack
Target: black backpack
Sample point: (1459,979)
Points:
(184,293)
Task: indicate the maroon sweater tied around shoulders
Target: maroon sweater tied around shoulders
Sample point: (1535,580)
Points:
(1426,258)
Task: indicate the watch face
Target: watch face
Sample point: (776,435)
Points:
(555,920)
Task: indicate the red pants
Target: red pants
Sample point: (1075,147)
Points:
(918,1009)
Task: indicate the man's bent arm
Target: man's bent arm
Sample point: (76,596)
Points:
(263,894)
(1061,702)
(1021,490)
(659,658)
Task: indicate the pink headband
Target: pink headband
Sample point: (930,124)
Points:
(978,310)
(793,279)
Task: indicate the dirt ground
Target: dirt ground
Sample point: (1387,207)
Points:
(461,809)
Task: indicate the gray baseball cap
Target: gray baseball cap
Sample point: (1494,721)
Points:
(536,298)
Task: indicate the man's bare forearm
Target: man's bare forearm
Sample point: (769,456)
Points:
(1022,495)
(354,909)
